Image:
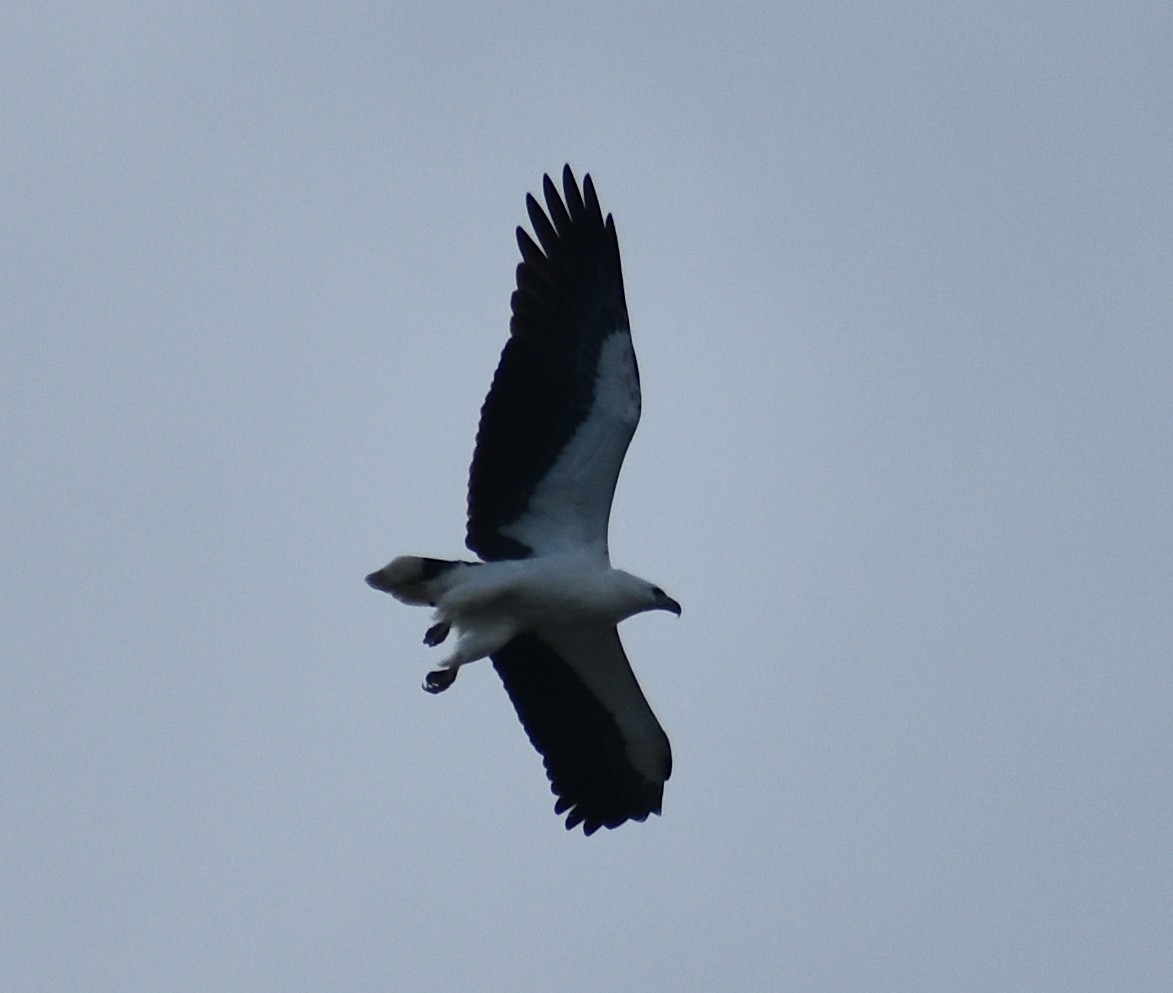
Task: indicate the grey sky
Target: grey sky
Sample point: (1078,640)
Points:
(900,279)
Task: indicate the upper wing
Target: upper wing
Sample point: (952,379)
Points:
(565,399)
(605,753)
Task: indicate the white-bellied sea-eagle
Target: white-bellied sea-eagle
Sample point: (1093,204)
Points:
(544,601)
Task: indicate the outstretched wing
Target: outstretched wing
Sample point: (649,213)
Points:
(605,753)
(565,399)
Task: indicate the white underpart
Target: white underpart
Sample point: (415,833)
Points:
(569,508)
(489,605)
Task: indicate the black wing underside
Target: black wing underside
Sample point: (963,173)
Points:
(569,300)
(592,761)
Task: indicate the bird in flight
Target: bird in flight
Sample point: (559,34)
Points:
(543,602)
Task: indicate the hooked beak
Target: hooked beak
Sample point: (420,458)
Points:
(667,603)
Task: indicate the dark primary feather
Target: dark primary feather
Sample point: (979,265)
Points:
(586,756)
(569,299)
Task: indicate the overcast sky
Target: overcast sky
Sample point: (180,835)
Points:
(901,283)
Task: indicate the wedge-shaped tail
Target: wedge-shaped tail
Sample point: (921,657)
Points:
(418,581)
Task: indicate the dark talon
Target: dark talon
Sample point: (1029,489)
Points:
(437,633)
(438,680)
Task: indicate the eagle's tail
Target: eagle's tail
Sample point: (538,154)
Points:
(417,581)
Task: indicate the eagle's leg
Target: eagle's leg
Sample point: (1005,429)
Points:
(475,642)
(437,633)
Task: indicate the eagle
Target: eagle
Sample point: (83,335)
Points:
(543,601)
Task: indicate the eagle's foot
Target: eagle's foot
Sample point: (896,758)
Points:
(438,680)
(437,633)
